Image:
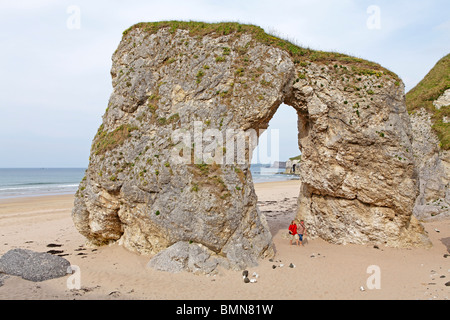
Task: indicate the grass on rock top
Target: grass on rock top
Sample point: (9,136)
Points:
(299,54)
(432,86)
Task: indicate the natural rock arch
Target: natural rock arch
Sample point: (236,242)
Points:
(357,172)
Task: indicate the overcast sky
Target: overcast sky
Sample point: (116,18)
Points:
(55,58)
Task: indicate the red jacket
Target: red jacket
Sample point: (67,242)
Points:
(293,229)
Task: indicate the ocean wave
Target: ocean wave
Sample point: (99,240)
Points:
(37,186)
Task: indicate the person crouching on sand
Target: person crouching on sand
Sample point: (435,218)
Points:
(293,231)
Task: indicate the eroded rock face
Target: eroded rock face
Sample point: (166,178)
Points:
(443,100)
(150,190)
(357,171)
(433,165)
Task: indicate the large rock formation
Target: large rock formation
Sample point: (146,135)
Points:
(166,167)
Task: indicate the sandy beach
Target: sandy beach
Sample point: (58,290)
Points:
(322,270)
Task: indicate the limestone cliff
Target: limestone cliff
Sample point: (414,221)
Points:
(165,173)
(433,165)
(429,108)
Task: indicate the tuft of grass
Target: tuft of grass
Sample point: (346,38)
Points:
(194,187)
(299,157)
(199,76)
(174,118)
(105,141)
(220,59)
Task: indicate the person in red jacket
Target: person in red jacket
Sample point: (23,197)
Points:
(292,231)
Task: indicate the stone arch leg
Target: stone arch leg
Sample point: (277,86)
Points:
(357,171)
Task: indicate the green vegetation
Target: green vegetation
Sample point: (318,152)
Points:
(200,75)
(105,141)
(194,187)
(220,59)
(431,87)
(226,51)
(299,54)
(174,118)
(203,167)
(162,121)
(441,128)
(428,90)
(239,72)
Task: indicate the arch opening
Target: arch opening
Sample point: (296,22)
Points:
(275,169)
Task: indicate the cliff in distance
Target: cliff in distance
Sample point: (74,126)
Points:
(429,109)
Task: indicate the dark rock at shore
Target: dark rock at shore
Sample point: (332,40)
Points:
(33,266)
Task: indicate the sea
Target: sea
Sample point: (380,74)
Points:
(32,182)
(39,181)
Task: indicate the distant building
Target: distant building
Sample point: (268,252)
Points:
(293,165)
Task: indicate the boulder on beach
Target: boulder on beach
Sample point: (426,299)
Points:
(33,266)
(185,256)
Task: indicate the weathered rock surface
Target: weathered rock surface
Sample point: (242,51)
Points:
(433,165)
(357,171)
(183,256)
(443,100)
(3,277)
(33,266)
(147,190)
